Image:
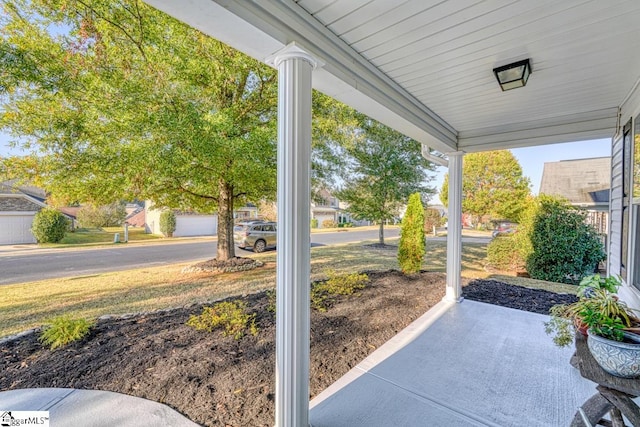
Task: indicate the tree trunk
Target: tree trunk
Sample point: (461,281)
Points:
(226,248)
(381,233)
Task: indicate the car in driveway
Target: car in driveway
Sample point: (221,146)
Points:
(504,228)
(258,235)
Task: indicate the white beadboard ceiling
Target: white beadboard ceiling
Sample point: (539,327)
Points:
(425,67)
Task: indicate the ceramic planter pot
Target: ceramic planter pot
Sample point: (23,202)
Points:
(617,358)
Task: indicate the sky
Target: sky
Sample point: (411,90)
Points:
(531,159)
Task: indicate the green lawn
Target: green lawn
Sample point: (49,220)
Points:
(96,236)
(28,305)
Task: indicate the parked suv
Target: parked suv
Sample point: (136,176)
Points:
(258,235)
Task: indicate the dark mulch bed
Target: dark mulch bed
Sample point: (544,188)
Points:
(518,297)
(217,381)
(228,266)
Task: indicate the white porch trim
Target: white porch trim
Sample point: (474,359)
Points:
(454,228)
(294,242)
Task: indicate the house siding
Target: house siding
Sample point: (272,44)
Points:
(615,217)
(631,295)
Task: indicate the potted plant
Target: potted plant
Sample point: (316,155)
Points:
(566,319)
(611,325)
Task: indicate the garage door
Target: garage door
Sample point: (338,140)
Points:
(196,225)
(16,229)
(323,217)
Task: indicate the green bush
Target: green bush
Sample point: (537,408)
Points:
(49,226)
(503,255)
(167,223)
(336,284)
(64,330)
(112,215)
(271,300)
(564,247)
(411,249)
(231,316)
(314,222)
(329,223)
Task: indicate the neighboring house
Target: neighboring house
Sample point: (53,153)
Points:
(71,212)
(136,218)
(325,207)
(247,212)
(190,223)
(440,208)
(187,223)
(586,183)
(345,216)
(18,206)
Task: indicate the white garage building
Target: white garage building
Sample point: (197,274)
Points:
(17,209)
(187,224)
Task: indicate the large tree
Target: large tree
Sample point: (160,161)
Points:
(492,184)
(118,100)
(382,168)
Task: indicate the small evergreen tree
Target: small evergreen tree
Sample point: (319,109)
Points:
(564,247)
(412,245)
(167,223)
(49,226)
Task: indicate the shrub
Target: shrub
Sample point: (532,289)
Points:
(49,226)
(411,249)
(271,300)
(336,284)
(314,222)
(167,223)
(231,316)
(502,254)
(329,223)
(101,216)
(511,252)
(64,330)
(564,247)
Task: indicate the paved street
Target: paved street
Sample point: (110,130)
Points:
(31,263)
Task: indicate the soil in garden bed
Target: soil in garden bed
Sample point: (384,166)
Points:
(218,381)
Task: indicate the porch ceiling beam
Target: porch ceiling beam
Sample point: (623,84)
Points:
(254,26)
(577,127)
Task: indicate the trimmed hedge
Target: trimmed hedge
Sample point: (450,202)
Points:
(49,226)
(167,223)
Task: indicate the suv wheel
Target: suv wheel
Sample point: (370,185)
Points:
(259,246)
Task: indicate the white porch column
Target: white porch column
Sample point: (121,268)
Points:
(454,228)
(293,258)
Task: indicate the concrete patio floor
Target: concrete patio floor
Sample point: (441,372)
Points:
(92,408)
(467,364)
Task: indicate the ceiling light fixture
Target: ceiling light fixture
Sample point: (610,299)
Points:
(514,75)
